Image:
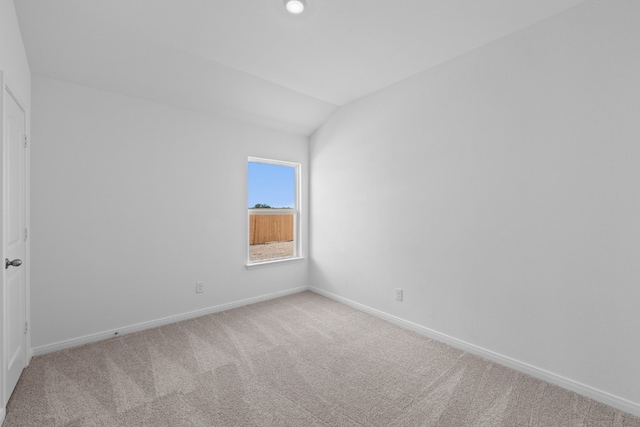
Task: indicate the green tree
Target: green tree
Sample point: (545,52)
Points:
(261,206)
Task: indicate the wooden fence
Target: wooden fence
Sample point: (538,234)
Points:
(270,228)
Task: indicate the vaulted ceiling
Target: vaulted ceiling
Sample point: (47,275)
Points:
(250,59)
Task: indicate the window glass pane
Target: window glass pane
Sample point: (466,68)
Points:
(271,232)
(271,185)
(271,237)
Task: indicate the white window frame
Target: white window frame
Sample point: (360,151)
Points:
(297,214)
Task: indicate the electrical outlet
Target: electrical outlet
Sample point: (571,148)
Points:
(199,287)
(399,294)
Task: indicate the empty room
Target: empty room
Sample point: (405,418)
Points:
(320,213)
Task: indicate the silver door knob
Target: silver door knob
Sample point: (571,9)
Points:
(14,263)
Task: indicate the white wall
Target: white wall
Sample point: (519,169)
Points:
(13,58)
(133,202)
(500,191)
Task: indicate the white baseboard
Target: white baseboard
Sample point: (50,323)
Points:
(2,414)
(49,348)
(575,386)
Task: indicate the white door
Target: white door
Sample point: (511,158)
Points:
(14,242)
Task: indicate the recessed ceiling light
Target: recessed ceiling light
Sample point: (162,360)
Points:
(295,6)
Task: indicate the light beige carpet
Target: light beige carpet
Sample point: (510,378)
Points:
(301,360)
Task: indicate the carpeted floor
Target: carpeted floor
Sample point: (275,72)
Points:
(301,360)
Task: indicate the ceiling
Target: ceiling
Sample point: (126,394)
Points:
(250,59)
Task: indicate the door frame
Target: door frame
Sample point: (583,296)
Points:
(5,91)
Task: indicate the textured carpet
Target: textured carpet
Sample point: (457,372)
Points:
(301,360)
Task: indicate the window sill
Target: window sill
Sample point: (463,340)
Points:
(274,262)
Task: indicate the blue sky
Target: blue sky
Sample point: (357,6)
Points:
(272,185)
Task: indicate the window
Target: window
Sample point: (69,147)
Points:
(273,211)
